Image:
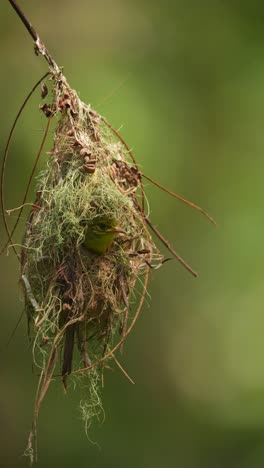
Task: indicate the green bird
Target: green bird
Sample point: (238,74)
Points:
(100,235)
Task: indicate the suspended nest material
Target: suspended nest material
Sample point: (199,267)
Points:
(73,295)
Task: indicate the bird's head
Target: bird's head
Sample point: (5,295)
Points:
(100,235)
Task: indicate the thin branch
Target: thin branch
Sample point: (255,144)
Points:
(122,369)
(2,204)
(166,243)
(169,247)
(15,328)
(28,186)
(39,45)
(178,197)
(26,23)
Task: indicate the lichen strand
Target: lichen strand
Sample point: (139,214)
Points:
(71,294)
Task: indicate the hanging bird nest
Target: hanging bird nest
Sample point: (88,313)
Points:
(72,294)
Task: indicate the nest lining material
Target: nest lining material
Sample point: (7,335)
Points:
(71,294)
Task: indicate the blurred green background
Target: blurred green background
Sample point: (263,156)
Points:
(185,83)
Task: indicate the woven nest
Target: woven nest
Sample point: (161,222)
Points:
(72,295)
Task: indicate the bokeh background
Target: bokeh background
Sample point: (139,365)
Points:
(185,83)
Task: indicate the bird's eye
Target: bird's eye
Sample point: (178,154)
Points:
(102,226)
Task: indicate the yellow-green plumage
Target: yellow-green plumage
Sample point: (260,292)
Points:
(100,236)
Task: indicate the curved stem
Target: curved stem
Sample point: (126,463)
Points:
(2,177)
(169,247)
(179,197)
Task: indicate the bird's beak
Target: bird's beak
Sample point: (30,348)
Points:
(118,230)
